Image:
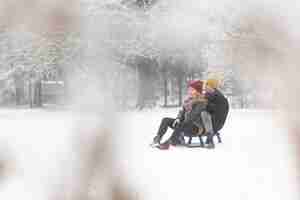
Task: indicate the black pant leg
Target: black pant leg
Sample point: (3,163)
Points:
(185,128)
(165,123)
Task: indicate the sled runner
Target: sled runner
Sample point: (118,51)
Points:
(200,138)
(189,143)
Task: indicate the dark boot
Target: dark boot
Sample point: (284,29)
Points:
(177,139)
(210,142)
(156,141)
(163,146)
(163,127)
(181,140)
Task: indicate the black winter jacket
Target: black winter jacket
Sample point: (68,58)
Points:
(218,107)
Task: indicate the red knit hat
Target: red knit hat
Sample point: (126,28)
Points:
(197,85)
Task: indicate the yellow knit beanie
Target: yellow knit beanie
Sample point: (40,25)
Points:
(213,83)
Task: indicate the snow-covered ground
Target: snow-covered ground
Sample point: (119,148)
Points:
(38,150)
(253,162)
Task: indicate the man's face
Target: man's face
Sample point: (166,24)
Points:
(209,89)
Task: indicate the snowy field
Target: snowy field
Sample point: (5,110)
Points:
(253,162)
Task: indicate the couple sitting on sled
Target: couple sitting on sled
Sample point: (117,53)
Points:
(203,111)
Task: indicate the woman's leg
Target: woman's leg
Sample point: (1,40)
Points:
(178,134)
(165,123)
(207,123)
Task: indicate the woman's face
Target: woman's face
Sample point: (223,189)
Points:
(194,93)
(209,89)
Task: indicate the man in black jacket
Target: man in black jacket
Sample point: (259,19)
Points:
(218,105)
(190,118)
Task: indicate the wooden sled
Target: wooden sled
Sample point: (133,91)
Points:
(199,134)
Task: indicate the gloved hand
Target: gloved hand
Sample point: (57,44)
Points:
(176,123)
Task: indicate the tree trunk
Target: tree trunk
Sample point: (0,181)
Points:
(37,101)
(66,85)
(20,93)
(180,80)
(165,91)
(144,87)
(30,94)
(146,83)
